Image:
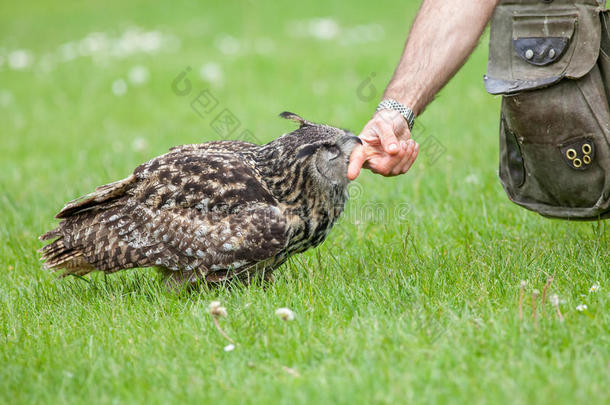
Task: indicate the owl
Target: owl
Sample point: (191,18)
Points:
(210,212)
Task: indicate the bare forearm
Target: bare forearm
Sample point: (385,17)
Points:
(443,35)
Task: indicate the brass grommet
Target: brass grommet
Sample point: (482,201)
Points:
(571,154)
(586,149)
(586,159)
(577,162)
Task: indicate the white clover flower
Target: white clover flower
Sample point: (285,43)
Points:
(229,348)
(595,287)
(323,28)
(216,309)
(581,307)
(20,59)
(555,300)
(138,75)
(472,179)
(211,72)
(94,42)
(285,314)
(227,44)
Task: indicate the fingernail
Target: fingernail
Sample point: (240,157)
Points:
(403,144)
(392,147)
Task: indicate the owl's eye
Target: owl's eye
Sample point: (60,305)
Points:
(333,152)
(307,151)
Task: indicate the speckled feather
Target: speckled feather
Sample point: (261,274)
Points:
(210,211)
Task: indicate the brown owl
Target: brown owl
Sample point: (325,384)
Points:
(210,212)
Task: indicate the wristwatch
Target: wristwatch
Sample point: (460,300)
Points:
(406,112)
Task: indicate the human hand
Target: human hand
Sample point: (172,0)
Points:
(386,146)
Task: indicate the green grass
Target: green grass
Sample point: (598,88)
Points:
(419,307)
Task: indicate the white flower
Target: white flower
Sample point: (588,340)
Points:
(94,42)
(555,300)
(472,179)
(119,87)
(138,75)
(20,59)
(595,287)
(227,44)
(229,348)
(211,72)
(581,307)
(150,41)
(285,314)
(323,28)
(216,309)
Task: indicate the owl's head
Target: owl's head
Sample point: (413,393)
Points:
(322,149)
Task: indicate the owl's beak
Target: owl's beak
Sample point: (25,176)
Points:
(357,139)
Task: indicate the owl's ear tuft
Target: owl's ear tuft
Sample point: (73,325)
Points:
(296,118)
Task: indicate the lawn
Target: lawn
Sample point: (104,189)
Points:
(413,298)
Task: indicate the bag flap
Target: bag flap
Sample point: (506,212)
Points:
(535,45)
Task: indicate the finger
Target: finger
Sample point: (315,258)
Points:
(406,155)
(411,157)
(387,165)
(400,160)
(356,160)
(405,164)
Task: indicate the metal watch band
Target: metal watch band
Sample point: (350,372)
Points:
(406,112)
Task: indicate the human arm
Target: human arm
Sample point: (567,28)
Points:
(443,35)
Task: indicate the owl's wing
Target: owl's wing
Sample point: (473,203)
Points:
(205,179)
(211,245)
(214,146)
(191,168)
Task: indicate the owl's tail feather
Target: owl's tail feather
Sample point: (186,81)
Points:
(57,256)
(101,194)
(53,233)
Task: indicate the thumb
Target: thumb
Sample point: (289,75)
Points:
(356,160)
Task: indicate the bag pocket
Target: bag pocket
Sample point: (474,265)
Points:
(534,45)
(555,120)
